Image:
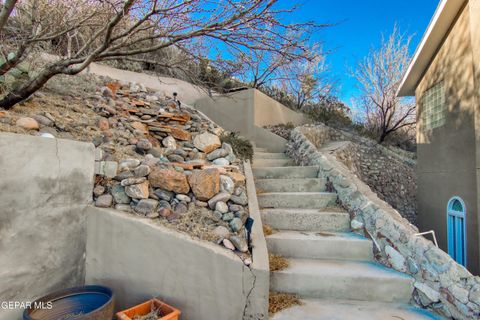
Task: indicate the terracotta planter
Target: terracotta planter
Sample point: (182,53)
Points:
(168,312)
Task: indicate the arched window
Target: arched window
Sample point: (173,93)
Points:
(456,230)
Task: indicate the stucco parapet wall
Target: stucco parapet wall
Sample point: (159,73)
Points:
(140,259)
(440,283)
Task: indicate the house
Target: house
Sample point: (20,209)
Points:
(444,76)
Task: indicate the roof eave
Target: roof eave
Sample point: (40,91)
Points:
(433,37)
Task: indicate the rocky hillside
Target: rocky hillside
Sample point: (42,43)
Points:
(155,157)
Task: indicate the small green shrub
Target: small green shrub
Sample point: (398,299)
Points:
(242,147)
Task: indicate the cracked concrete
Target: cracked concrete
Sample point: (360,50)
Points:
(140,259)
(257,299)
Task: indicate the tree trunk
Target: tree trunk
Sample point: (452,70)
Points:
(382,136)
(27,89)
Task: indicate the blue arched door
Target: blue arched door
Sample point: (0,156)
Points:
(456,230)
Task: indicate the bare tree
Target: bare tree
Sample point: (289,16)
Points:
(306,81)
(258,68)
(80,32)
(261,68)
(379,76)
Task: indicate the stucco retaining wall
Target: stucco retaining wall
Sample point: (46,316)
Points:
(246,112)
(140,259)
(440,283)
(45,186)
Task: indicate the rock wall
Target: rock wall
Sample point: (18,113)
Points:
(45,186)
(389,173)
(441,284)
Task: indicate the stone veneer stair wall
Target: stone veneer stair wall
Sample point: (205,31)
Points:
(440,283)
(329,267)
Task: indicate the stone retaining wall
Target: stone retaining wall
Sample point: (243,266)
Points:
(441,284)
(390,173)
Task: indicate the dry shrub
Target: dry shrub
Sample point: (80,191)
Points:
(277,263)
(280,301)
(242,147)
(197,222)
(267,230)
(315,139)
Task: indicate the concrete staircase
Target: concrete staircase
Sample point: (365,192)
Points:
(330,268)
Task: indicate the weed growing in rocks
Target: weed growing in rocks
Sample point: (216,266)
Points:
(242,147)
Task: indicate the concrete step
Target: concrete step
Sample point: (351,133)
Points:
(302,200)
(306,219)
(290,185)
(285,172)
(353,310)
(269,155)
(337,279)
(320,245)
(272,162)
(256,149)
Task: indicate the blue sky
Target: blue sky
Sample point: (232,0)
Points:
(361,24)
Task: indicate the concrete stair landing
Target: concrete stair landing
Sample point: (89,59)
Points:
(330,268)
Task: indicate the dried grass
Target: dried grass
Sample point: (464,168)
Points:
(333,209)
(277,263)
(154,314)
(280,301)
(197,222)
(267,230)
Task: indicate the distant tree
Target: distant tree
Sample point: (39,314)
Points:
(79,32)
(379,76)
(305,82)
(330,110)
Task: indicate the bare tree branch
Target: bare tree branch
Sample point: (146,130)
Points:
(5,11)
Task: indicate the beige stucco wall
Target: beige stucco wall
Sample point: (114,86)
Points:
(140,259)
(447,154)
(271,112)
(246,112)
(45,187)
(234,112)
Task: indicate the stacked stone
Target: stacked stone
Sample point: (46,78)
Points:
(180,164)
(441,284)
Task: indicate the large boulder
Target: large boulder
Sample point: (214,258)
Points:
(207,142)
(205,183)
(170,180)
